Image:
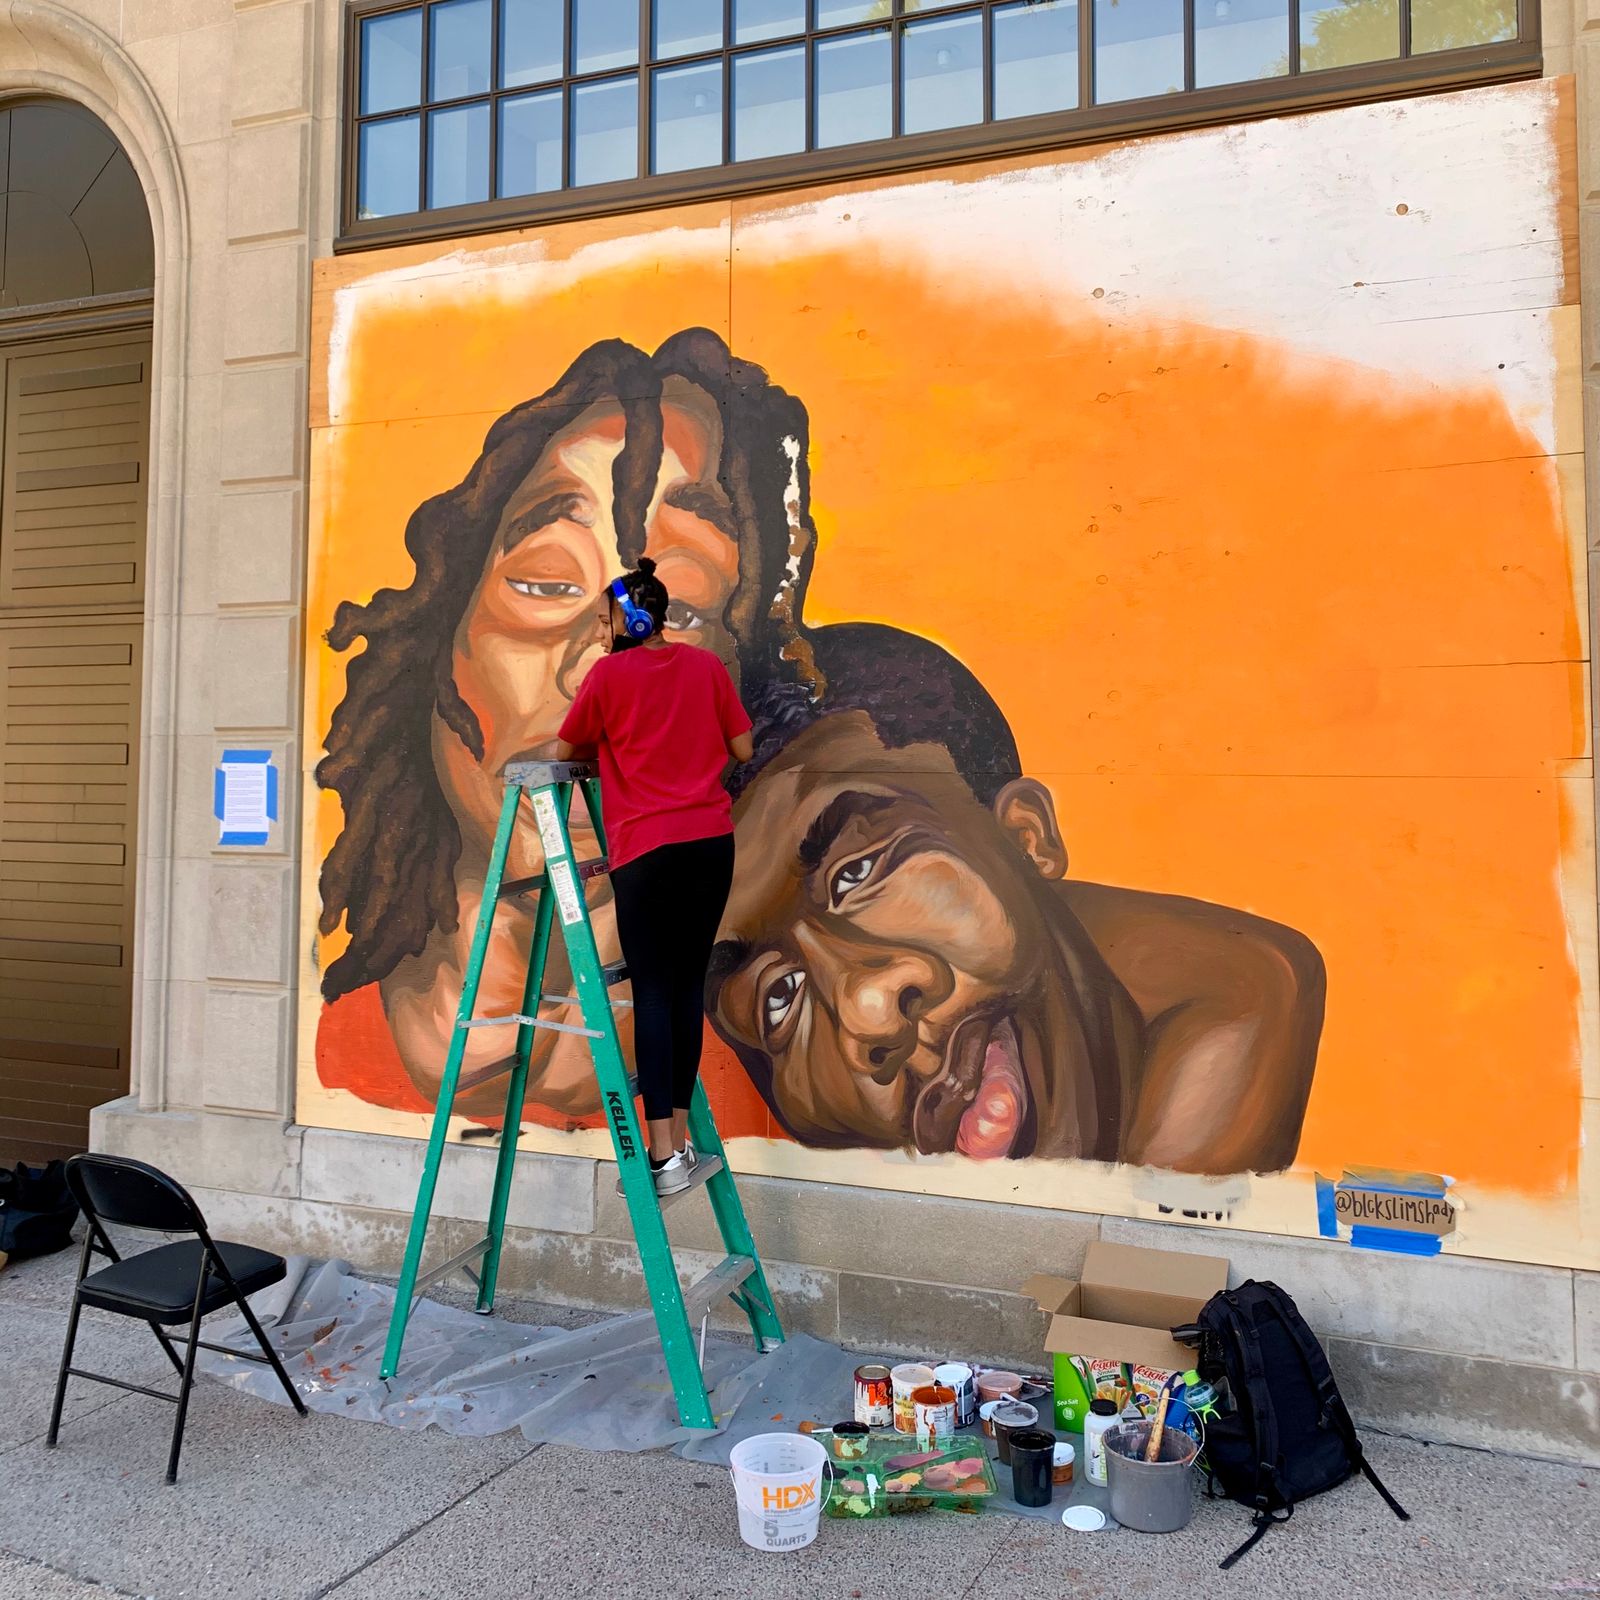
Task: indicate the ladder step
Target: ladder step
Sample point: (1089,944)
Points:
(585,870)
(532,1022)
(705,1169)
(717,1285)
(541,774)
(445,1268)
(616,973)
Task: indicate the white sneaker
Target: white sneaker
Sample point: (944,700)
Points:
(673,1176)
(688,1156)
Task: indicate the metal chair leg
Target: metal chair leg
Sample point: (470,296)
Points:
(61,1380)
(271,1355)
(188,1374)
(166,1344)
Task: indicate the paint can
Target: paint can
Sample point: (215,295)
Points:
(1012,1416)
(1061,1463)
(957,1375)
(998,1385)
(906,1379)
(874,1397)
(934,1412)
(986,1413)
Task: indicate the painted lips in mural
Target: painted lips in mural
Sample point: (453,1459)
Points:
(905,962)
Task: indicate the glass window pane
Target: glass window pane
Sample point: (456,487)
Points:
(1334,33)
(754,20)
(841,13)
(928,5)
(941,63)
(686,27)
(458,49)
(769,103)
(1237,41)
(458,155)
(530,144)
(852,88)
(1138,49)
(388,156)
(687,107)
(605,130)
(1452,24)
(530,41)
(605,33)
(391,62)
(1035,57)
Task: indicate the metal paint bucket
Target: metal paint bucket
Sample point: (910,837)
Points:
(958,1376)
(874,1396)
(934,1412)
(908,1377)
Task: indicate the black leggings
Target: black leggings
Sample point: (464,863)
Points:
(669,902)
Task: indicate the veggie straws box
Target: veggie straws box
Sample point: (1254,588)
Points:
(1116,1317)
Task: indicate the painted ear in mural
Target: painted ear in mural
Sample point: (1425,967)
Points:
(1026,811)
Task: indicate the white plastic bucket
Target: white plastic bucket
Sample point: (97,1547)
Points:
(777,1480)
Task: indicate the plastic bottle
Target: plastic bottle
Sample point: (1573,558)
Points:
(1201,1398)
(1102,1415)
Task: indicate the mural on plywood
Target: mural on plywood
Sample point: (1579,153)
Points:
(1107,625)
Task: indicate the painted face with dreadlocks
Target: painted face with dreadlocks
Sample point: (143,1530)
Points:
(688,455)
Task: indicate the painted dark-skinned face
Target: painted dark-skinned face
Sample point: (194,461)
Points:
(534,625)
(887,950)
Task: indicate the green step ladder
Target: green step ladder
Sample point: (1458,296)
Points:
(548,787)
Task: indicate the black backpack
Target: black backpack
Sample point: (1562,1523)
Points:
(37,1210)
(1290,1435)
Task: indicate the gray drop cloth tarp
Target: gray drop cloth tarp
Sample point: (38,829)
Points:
(603,1387)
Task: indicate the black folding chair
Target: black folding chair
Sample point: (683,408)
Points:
(172,1283)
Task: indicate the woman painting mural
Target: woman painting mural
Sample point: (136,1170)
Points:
(689,456)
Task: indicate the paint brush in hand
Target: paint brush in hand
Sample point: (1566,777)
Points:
(1152,1451)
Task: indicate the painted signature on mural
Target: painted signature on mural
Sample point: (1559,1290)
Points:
(906,962)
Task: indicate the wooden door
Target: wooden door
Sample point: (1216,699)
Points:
(73,490)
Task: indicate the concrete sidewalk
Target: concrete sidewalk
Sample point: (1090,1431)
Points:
(272,1507)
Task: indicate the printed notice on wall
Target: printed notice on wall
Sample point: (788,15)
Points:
(245,797)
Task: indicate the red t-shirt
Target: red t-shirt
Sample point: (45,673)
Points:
(661,718)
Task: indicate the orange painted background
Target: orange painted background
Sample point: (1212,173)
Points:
(1278,631)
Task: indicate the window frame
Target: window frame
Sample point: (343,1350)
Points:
(1437,72)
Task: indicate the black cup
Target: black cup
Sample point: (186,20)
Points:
(1032,1453)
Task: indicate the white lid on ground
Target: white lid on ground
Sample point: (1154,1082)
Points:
(1086,1519)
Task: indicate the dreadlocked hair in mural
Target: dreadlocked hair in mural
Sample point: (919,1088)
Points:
(390,874)
(915,691)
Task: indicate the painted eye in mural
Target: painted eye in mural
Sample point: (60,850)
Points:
(851,876)
(780,1001)
(682,618)
(546,588)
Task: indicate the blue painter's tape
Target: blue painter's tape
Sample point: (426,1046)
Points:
(1327,1217)
(217,783)
(1435,1192)
(247,757)
(272,790)
(243,838)
(1397,1241)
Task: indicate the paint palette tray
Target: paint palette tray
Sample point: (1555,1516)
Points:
(896,1477)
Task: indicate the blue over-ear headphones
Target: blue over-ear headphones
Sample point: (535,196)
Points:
(637,623)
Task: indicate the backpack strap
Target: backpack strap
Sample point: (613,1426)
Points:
(1334,1411)
(1262,1521)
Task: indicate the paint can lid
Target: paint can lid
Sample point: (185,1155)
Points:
(1085,1519)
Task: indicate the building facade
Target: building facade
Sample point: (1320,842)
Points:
(1132,457)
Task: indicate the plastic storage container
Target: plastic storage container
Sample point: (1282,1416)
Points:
(894,1480)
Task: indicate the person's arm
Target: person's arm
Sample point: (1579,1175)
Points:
(584,725)
(732,717)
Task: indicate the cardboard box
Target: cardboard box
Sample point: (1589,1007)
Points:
(1118,1313)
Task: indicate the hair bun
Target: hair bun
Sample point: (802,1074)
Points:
(647,568)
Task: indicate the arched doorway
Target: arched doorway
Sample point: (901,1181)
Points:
(76,280)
